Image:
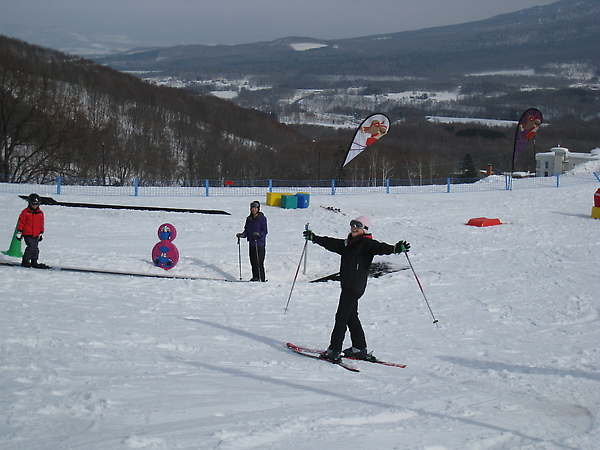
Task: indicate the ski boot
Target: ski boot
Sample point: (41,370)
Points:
(330,355)
(356,353)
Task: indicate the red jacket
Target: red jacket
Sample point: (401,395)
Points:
(31,222)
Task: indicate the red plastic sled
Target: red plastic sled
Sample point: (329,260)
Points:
(483,222)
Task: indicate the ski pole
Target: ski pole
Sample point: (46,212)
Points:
(240,257)
(296,276)
(305,253)
(260,275)
(421,287)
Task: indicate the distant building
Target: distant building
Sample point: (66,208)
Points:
(561,160)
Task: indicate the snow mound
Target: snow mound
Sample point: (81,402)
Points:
(585,168)
(301,47)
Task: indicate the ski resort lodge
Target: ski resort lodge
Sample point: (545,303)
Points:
(561,160)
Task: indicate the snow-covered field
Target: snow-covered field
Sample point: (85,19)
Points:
(93,361)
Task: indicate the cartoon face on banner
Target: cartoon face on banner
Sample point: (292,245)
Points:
(530,124)
(374,131)
(164,253)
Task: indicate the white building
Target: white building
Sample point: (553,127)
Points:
(561,160)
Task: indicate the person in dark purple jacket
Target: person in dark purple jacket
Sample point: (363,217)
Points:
(255,231)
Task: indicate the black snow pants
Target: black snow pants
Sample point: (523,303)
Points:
(32,251)
(257,261)
(346,317)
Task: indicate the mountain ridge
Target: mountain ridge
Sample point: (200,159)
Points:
(565,31)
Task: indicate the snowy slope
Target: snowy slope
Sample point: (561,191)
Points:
(96,361)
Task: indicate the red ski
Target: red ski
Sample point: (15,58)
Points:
(370,357)
(316,355)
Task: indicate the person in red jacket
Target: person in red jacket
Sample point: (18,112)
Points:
(31,227)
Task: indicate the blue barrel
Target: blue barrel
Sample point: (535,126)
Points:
(303,199)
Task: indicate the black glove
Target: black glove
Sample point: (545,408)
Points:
(19,235)
(309,235)
(256,234)
(40,237)
(401,247)
(239,235)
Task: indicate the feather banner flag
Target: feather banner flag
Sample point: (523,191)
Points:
(369,132)
(529,123)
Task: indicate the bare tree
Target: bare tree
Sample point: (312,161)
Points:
(33,123)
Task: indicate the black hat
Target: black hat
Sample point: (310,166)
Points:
(255,204)
(34,198)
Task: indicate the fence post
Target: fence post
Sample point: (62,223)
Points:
(58,185)
(270,185)
(597,177)
(558,180)
(136,185)
(508,181)
(332,187)
(387,185)
(207,184)
(448,183)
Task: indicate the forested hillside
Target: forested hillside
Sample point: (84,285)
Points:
(62,115)
(422,152)
(70,117)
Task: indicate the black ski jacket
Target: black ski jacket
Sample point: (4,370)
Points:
(357,256)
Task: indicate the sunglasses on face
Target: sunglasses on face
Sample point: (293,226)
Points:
(356,224)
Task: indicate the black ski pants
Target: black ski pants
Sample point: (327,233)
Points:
(346,317)
(32,251)
(257,261)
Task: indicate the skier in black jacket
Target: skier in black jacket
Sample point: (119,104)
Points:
(357,252)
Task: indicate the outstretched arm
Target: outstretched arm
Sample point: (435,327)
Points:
(328,243)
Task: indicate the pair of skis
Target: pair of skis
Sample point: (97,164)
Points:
(316,354)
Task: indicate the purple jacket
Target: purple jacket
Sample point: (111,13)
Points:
(256,225)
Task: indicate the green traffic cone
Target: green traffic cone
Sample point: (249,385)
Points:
(15,246)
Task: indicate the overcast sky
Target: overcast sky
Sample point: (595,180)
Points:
(169,22)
